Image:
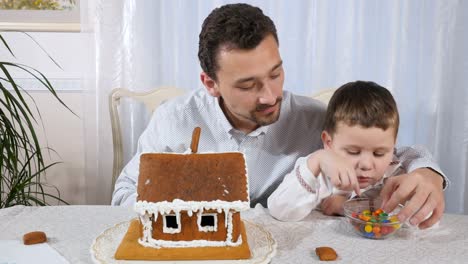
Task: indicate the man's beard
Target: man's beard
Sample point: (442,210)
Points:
(269,119)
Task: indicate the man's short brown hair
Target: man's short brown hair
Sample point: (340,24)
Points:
(232,26)
(362,103)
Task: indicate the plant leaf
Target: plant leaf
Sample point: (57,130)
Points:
(6,45)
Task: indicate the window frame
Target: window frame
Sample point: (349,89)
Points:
(213,228)
(171,230)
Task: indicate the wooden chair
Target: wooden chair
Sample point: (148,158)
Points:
(151,100)
(324,95)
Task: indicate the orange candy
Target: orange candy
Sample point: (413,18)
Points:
(376,229)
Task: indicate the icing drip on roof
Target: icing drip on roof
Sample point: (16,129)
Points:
(177,205)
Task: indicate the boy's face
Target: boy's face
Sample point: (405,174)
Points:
(369,149)
(250,83)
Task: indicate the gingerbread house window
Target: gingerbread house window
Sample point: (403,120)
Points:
(208,222)
(171,223)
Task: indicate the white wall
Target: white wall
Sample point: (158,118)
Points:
(64,132)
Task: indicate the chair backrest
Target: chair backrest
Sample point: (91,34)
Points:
(151,100)
(324,95)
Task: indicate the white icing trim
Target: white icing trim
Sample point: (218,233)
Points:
(226,214)
(229,228)
(247,178)
(171,230)
(177,205)
(213,228)
(157,243)
(147,227)
(189,151)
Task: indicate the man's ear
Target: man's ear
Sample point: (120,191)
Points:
(326,140)
(210,84)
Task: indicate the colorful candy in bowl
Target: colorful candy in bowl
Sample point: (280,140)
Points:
(369,220)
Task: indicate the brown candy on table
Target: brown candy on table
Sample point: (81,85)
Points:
(35,237)
(326,253)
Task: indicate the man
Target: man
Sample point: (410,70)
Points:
(244,108)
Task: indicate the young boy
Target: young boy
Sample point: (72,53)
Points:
(359,135)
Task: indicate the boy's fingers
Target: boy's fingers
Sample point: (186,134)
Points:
(354,182)
(336,180)
(344,180)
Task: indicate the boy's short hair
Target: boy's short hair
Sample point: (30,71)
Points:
(362,103)
(232,26)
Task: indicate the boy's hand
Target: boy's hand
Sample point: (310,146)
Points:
(335,167)
(333,205)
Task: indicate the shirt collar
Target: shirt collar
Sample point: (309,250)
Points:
(221,117)
(229,128)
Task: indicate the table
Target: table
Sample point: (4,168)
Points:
(72,229)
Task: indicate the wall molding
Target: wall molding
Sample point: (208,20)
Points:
(59,84)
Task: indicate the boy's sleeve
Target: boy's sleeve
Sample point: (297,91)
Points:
(299,193)
(416,157)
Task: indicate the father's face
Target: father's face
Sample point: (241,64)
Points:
(250,83)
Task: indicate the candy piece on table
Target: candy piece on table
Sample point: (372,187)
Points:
(35,237)
(326,253)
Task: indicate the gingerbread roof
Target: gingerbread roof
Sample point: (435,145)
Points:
(193,177)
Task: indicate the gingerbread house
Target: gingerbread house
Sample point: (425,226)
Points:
(189,205)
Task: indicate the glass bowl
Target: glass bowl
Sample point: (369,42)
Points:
(367,219)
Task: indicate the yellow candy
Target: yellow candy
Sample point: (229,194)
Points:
(368,228)
(366,212)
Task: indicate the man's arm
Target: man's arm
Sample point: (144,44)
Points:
(421,190)
(417,157)
(125,186)
(125,192)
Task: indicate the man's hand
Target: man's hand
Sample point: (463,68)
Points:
(333,205)
(338,169)
(421,190)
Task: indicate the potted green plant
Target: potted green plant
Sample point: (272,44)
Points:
(22,165)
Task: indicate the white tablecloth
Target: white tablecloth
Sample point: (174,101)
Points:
(72,229)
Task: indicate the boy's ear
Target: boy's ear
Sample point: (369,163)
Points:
(210,84)
(326,140)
